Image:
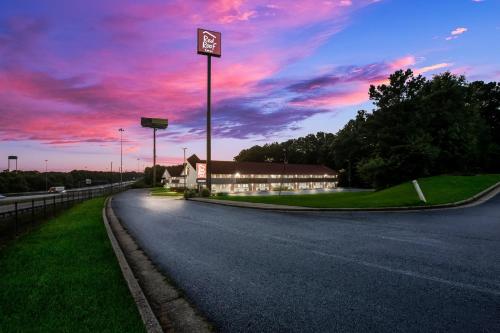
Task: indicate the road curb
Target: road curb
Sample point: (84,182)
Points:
(172,309)
(150,322)
(478,198)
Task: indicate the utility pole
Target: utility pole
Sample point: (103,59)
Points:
(111,172)
(121,154)
(46,181)
(138,165)
(154,157)
(284,166)
(184,167)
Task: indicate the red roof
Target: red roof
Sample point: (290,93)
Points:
(263,168)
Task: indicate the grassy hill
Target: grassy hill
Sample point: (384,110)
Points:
(438,190)
(64,277)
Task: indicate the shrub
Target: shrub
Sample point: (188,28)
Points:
(205,193)
(222,194)
(189,193)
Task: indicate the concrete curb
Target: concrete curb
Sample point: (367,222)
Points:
(172,309)
(477,199)
(150,322)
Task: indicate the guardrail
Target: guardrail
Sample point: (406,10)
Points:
(13,209)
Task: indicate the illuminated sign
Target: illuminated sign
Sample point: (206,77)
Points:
(201,170)
(209,43)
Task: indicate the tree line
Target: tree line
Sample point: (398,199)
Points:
(33,181)
(419,127)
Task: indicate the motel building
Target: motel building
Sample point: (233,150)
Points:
(231,176)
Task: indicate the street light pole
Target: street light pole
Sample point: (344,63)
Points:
(282,174)
(46,181)
(154,157)
(184,167)
(121,154)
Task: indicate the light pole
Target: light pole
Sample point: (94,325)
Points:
(184,167)
(121,130)
(282,174)
(138,159)
(46,182)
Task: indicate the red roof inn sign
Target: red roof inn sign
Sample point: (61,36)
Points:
(209,42)
(201,170)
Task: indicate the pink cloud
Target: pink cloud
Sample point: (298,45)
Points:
(404,62)
(338,99)
(457,32)
(431,68)
(103,87)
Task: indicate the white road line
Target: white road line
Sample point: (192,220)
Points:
(411,274)
(490,291)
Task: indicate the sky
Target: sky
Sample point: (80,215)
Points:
(73,72)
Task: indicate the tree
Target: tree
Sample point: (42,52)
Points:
(350,146)
(148,175)
(485,98)
(419,127)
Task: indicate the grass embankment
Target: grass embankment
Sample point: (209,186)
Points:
(64,277)
(438,190)
(164,192)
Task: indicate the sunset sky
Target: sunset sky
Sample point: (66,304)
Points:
(73,72)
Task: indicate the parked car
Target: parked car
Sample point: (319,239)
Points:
(2,196)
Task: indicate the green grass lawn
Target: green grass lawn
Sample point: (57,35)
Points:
(64,277)
(163,192)
(438,190)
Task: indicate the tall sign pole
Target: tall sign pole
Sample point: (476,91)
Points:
(209,124)
(121,155)
(155,124)
(209,44)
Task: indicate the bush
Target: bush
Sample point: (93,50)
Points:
(140,184)
(222,194)
(189,193)
(205,193)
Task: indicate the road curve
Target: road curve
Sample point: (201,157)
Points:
(263,271)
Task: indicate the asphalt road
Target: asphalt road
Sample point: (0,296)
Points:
(261,271)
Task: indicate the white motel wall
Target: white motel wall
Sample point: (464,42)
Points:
(231,176)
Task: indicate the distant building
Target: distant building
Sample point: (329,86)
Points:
(231,176)
(173,176)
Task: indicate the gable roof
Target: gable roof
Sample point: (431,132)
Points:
(263,168)
(193,159)
(175,170)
